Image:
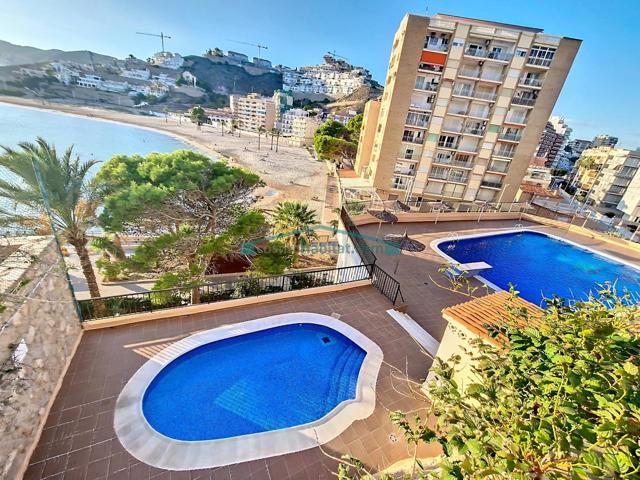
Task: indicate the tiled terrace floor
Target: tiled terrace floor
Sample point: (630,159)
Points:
(79,442)
(424,299)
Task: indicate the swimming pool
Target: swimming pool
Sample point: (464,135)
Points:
(240,392)
(539,265)
(266,380)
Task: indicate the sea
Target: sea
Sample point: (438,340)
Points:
(91,138)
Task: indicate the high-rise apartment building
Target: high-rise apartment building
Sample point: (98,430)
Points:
(605,174)
(464,104)
(604,140)
(253,111)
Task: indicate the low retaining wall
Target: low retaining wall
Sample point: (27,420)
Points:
(41,329)
(416,217)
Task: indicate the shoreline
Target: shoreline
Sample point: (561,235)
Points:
(289,174)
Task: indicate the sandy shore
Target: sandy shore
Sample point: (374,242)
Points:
(291,173)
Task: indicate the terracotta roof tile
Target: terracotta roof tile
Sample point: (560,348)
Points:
(485,315)
(538,190)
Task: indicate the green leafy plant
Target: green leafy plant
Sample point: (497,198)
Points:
(558,398)
(294,220)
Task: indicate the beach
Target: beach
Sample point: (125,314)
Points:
(291,173)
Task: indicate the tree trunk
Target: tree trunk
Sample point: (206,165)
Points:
(195,295)
(80,246)
(117,241)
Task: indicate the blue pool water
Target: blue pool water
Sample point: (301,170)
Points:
(541,266)
(266,380)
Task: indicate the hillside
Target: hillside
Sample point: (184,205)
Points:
(356,100)
(11,54)
(228,79)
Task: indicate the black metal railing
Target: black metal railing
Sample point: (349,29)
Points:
(164,299)
(366,254)
(386,284)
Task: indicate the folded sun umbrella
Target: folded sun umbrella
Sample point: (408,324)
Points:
(403,242)
(383,215)
(398,206)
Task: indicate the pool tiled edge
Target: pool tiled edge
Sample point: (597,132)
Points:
(153,448)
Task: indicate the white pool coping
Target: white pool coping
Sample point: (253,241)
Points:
(157,450)
(435,246)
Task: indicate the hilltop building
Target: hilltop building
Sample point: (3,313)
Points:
(253,111)
(464,105)
(334,78)
(170,60)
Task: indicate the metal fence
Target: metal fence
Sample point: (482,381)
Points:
(358,207)
(366,254)
(216,292)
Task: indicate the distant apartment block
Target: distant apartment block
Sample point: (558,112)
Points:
(253,111)
(464,106)
(604,140)
(283,101)
(334,78)
(299,126)
(136,73)
(554,138)
(606,174)
(629,205)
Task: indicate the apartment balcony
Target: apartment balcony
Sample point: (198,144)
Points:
(510,137)
(422,106)
(524,101)
(411,139)
(417,123)
(456,110)
(469,130)
(481,114)
(539,62)
(482,53)
(494,185)
(404,171)
(516,119)
(489,96)
(427,86)
(463,92)
(458,178)
(448,145)
(452,162)
(491,77)
(439,175)
(427,67)
(436,45)
(470,149)
(504,153)
(469,73)
(498,167)
(530,82)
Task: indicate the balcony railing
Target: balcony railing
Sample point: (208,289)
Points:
(404,171)
(450,145)
(498,167)
(504,153)
(526,101)
(417,123)
(484,114)
(457,111)
(411,139)
(463,92)
(504,56)
(485,95)
(513,137)
(469,148)
(521,119)
(469,72)
(475,52)
(436,45)
(427,86)
(427,67)
(540,62)
(531,82)
(474,130)
(486,183)
(458,178)
(421,106)
(482,53)
(491,76)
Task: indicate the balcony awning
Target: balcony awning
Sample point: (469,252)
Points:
(433,58)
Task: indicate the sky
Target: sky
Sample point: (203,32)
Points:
(601,94)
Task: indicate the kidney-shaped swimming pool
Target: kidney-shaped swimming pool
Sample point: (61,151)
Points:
(240,392)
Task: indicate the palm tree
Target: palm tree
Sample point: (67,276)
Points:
(291,217)
(260,131)
(71,204)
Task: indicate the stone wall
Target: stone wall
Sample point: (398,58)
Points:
(39,331)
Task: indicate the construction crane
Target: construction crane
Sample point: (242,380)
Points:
(335,55)
(260,47)
(162,36)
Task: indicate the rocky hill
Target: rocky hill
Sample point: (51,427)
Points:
(228,79)
(11,54)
